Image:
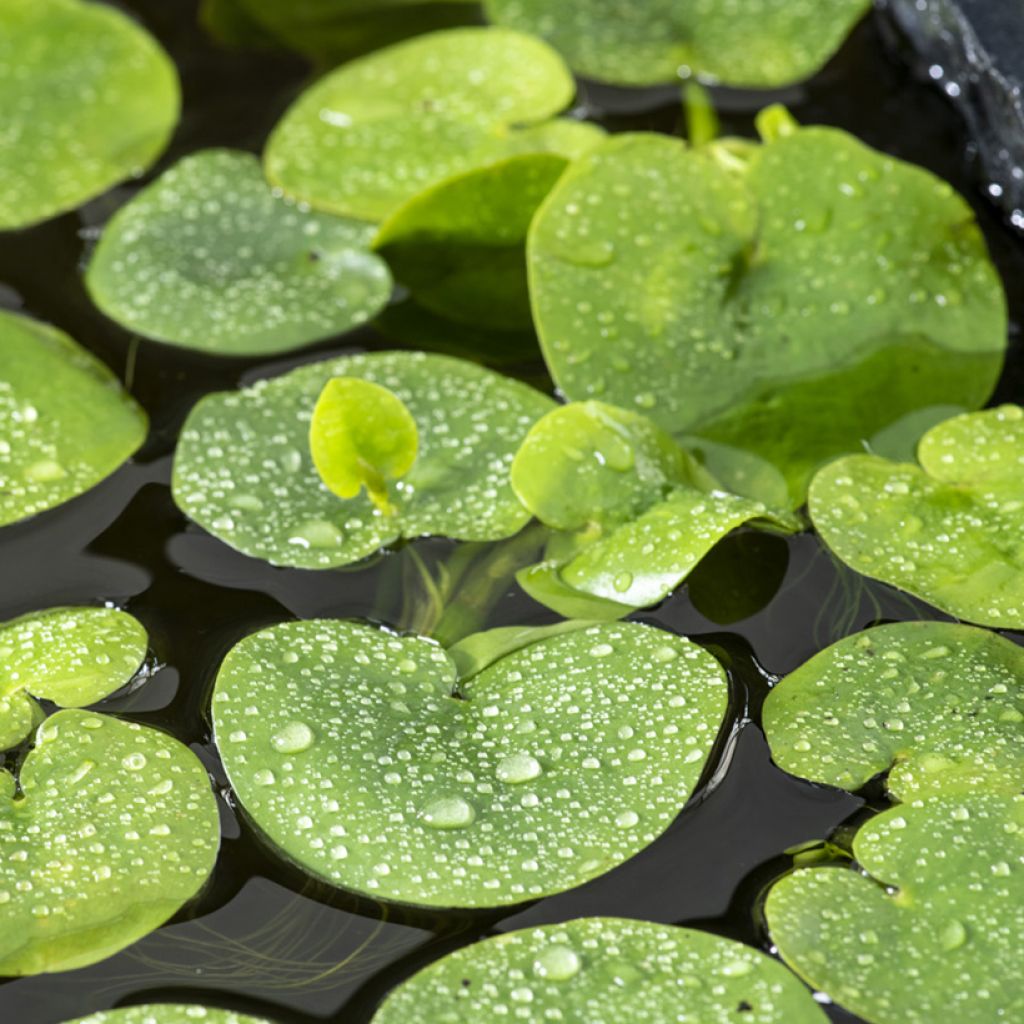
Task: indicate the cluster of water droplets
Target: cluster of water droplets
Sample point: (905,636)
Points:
(168,1013)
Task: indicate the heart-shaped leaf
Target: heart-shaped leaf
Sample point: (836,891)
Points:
(792,307)
(114,830)
(168,1013)
(360,757)
(931,931)
(376,131)
(749,43)
(243,469)
(71,656)
(948,531)
(209,258)
(89,98)
(65,421)
(603,969)
(940,704)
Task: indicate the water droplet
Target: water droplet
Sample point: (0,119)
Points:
(601,650)
(627,819)
(953,935)
(623,582)
(557,963)
(293,738)
(518,768)
(448,812)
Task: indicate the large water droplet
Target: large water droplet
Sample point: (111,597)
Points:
(518,768)
(558,963)
(448,812)
(293,738)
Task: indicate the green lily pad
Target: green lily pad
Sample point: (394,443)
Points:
(89,98)
(948,530)
(209,258)
(168,1013)
(363,759)
(642,511)
(603,969)
(937,705)
(931,931)
(791,309)
(114,830)
(459,246)
(65,421)
(749,43)
(378,130)
(243,469)
(71,656)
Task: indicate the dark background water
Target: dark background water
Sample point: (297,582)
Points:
(262,938)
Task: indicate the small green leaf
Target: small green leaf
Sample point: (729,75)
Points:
(71,656)
(603,969)
(362,435)
(473,654)
(370,766)
(749,43)
(89,99)
(243,468)
(939,706)
(948,530)
(115,829)
(168,1013)
(65,421)
(376,131)
(209,258)
(930,932)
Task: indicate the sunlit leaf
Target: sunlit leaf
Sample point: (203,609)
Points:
(168,1013)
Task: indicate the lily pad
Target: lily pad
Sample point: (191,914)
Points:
(378,130)
(168,1013)
(362,758)
(65,421)
(792,308)
(750,43)
(243,469)
(70,656)
(641,512)
(931,931)
(209,258)
(89,98)
(948,530)
(459,246)
(603,969)
(937,705)
(115,828)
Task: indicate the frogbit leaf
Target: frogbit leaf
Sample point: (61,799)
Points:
(641,511)
(750,43)
(65,421)
(376,131)
(459,246)
(115,829)
(209,258)
(603,969)
(362,435)
(360,758)
(168,1013)
(931,931)
(89,98)
(948,530)
(939,706)
(792,308)
(243,469)
(71,656)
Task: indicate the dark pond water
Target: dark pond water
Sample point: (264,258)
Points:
(262,938)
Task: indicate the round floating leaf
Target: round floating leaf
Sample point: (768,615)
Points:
(208,258)
(65,421)
(933,934)
(114,830)
(89,98)
(376,131)
(948,531)
(750,43)
(940,704)
(168,1013)
(362,435)
(791,309)
(71,656)
(459,246)
(243,469)
(362,759)
(603,969)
